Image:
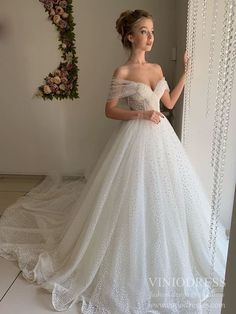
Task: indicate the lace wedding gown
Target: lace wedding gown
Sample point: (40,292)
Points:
(134,238)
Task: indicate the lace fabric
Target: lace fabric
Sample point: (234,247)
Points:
(111,243)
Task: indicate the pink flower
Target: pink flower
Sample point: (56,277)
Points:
(64,73)
(69,66)
(70,86)
(54,87)
(46,89)
(52,12)
(62,24)
(56,19)
(57,72)
(65,15)
(63,4)
(64,80)
(57,80)
(59,10)
(49,80)
(48,6)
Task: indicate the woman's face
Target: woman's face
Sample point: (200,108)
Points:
(142,36)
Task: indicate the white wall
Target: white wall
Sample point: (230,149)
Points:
(37,136)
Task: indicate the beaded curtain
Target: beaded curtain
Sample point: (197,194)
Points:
(211,25)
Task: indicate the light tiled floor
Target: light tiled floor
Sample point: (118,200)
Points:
(17,296)
(23,297)
(14,186)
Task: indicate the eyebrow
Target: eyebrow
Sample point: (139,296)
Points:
(145,27)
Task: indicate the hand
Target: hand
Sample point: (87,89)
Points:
(153,115)
(186,61)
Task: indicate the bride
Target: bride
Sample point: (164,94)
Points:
(134,238)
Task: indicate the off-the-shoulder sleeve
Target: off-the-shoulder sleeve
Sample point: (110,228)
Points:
(165,85)
(162,87)
(120,88)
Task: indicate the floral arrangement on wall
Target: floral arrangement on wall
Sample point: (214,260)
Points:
(63,82)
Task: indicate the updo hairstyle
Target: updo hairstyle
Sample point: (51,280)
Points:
(126,22)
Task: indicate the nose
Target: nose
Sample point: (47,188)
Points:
(150,34)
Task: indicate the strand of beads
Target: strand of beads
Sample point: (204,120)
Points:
(211,57)
(221,122)
(204,11)
(191,45)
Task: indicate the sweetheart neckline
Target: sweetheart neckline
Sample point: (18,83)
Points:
(131,81)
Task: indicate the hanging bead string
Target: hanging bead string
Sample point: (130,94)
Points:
(190,44)
(221,122)
(211,57)
(186,100)
(204,11)
(221,125)
(224,81)
(186,90)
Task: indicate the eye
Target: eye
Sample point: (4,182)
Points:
(144,31)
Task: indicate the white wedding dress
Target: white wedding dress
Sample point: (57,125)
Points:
(134,238)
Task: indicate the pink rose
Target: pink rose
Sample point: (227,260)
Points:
(57,80)
(69,66)
(59,10)
(62,24)
(52,12)
(54,87)
(64,80)
(65,15)
(64,73)
(57,72)
(48,6)
(46,89)
(63,4)
(56,19)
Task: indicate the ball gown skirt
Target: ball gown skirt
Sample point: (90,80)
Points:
(134,238)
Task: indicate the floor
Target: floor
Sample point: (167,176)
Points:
(17,296)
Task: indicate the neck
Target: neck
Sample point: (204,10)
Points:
(137,57)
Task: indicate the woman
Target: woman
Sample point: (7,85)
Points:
(134,238)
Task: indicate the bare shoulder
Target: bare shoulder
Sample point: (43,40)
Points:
(121,72)
(157,69)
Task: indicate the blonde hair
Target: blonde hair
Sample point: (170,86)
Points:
(125,23)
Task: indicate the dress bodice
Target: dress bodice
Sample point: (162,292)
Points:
(138,95)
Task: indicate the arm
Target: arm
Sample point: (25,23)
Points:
(113,112)
(111,109)
(170,99)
